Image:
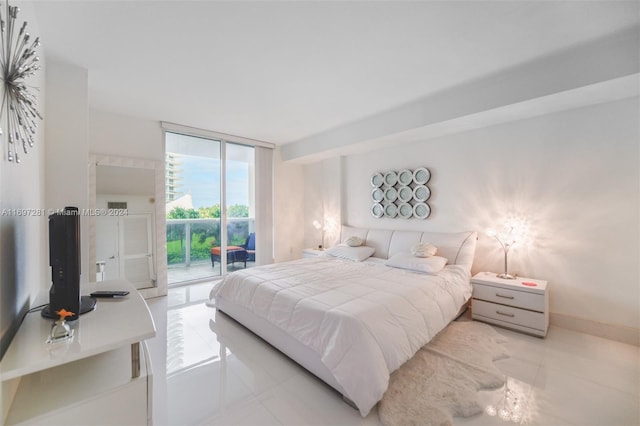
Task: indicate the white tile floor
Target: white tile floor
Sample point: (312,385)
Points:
(210,370)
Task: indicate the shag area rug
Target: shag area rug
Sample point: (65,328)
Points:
(443,378)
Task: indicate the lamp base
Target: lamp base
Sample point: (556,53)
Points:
(506,276)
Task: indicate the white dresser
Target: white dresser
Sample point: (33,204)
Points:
(520,304)
(101,376)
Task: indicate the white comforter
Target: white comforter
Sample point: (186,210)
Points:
(364,320)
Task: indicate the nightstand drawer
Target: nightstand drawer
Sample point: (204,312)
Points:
(504,296)
(506,314)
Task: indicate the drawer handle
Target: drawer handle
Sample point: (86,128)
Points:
(505,314)
(503,296)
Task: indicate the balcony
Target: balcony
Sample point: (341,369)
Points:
(189,242)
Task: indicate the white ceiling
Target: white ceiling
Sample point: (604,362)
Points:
(284,71)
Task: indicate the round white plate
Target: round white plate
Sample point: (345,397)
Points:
(421,210)
(390,210)
(421,175)
(377,180)
(405,194)
(390,178)
(390,194)
(376,210)
(421,193)
(405,210)
(405,177)
(377,195)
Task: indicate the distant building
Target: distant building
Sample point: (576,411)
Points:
(172,177)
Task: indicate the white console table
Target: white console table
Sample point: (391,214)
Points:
(102,375)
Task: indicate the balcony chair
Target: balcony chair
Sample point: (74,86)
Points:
(250,247)
(234,254)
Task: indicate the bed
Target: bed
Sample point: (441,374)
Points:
(353,323)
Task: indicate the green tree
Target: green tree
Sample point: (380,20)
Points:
(238,210)
(181,213)
(210,212)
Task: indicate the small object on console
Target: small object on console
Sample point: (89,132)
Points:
(60,330)
(109,293)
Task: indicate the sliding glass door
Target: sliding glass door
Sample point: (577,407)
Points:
(210,196)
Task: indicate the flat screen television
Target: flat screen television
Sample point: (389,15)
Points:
(64,258)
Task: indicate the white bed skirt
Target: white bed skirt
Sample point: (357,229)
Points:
(277,338)
(286,344)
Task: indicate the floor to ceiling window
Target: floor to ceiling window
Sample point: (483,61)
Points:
(211,206)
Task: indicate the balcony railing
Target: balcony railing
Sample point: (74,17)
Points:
(190,240)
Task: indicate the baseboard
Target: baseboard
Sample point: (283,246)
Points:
(619,333)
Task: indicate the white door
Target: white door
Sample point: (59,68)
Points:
(107,245)
(136,250)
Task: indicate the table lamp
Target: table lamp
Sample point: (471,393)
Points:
(512,233)
(319,226)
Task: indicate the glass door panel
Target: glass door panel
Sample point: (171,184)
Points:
(240,202)
(193,195)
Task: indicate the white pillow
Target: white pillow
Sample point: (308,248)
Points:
(357,254)
(426,265)
(423,250)
(354,241)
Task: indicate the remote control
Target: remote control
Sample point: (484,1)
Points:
(109,293)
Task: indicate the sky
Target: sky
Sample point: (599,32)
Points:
(201,178)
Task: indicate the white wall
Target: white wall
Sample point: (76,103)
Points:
(574,175)
(323,201)
(66,151)
(124,136)
(288,206)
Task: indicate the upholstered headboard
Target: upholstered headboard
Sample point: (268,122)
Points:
(458,247)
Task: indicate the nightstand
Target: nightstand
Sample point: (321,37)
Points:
(311,252)
(521,304)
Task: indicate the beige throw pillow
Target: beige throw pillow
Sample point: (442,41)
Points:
(354,241)
(423,250)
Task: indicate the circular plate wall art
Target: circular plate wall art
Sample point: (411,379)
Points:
(421,193)
(405,210)
(421,176)
(390,194)
(405,194)
(405,177)
(377,180)
(421,210)
(377,211)
(401,194)
(377,195)
(390,210)
(390,178)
